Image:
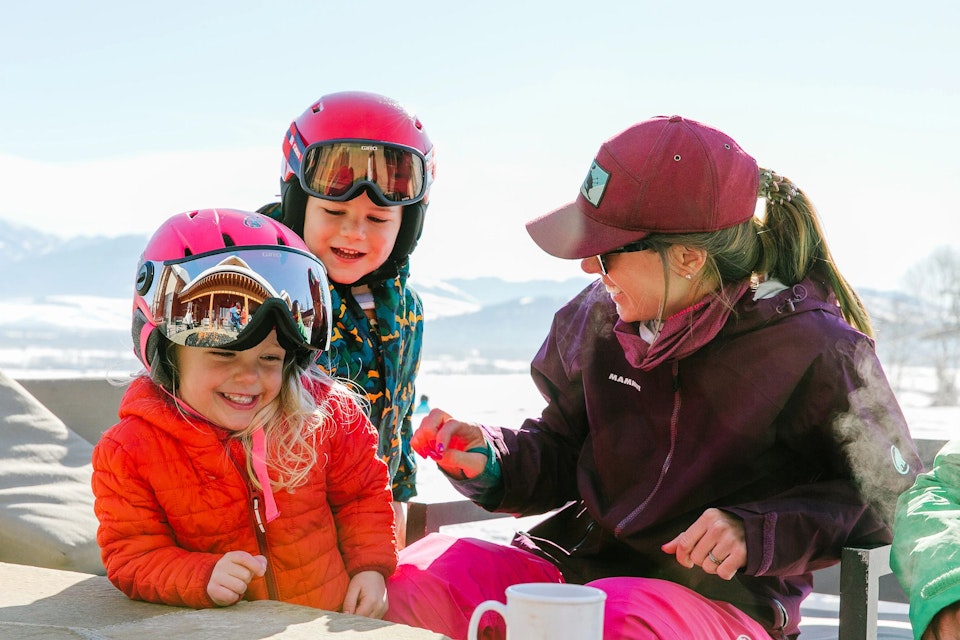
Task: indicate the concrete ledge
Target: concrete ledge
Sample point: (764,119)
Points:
(52,604)
(88,406)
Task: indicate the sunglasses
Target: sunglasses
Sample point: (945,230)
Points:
(338,170)
(641,245)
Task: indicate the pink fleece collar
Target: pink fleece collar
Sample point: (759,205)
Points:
(260,469)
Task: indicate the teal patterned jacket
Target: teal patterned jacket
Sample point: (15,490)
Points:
(384,364)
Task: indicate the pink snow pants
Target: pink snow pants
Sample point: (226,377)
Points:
(440,580)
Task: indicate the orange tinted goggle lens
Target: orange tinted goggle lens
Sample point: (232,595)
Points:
(338,170)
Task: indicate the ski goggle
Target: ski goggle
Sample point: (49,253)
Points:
(337,170)
(231,298)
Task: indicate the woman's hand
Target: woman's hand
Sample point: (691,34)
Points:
(366,595)
(715,542)
(231,576)
(447,441)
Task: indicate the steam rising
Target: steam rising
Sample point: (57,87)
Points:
(876,452)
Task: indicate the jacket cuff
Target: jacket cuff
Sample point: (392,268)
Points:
(384,571)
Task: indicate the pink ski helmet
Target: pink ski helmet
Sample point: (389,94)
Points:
(225,278)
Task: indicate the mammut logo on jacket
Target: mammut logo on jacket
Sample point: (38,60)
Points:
(627,381)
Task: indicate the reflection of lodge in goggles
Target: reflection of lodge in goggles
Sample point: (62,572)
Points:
(338,170)
(231,298)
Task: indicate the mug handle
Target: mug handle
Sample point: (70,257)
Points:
(483,607)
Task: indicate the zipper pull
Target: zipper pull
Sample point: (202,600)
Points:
(256,513)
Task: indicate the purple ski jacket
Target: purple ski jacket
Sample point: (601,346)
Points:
(784,418)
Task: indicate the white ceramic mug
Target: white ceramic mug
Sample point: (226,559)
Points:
(547,610)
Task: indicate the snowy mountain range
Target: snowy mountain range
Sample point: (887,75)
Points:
(66,304)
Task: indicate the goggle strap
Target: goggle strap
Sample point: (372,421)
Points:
(145,332)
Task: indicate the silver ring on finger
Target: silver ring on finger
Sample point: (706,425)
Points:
(712,558)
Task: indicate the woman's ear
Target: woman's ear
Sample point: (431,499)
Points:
(687,262)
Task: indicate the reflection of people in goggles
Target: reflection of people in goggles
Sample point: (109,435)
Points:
(278,287)
(337,170)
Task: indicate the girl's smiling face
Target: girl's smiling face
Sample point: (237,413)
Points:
(351,238)
(229,388)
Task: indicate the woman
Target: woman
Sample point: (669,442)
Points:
(718,425)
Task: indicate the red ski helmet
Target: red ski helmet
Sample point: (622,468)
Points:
(352,141)
(202,264)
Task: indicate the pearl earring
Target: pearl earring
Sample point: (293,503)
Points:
(687,276)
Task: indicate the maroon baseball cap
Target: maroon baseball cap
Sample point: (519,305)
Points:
(663,175)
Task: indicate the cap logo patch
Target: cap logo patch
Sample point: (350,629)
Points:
(595,184)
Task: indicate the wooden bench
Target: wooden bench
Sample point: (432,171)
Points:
(860,567)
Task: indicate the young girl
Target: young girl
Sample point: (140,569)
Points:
(356,180)
(237,470)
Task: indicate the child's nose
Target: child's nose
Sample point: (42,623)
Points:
(246,371)
(353,229)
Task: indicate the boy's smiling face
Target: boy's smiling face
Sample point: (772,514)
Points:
(351,238)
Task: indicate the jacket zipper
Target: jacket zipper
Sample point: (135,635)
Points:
(784,617)
(674,417)
(257,519)
(261,532)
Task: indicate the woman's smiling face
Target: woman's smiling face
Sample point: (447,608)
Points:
(646,286)
(634,282)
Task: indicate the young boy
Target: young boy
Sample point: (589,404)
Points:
(356,179)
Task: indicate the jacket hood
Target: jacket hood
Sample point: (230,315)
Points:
(810,294)
(150,403)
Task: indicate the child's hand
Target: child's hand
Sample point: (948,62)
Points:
(453,444)
(366,595)
(231,575)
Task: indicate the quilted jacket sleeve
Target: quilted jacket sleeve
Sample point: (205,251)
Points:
(359,493)
(137,545)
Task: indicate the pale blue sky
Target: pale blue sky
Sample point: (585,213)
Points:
(114,115)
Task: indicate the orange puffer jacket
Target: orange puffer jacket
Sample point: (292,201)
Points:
(173,496)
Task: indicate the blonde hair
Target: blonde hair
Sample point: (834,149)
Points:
(787,245)
(294,422)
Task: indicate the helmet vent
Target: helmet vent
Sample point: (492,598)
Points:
(228,241)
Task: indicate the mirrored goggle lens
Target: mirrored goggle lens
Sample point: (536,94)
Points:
(213,299)
(337,170)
